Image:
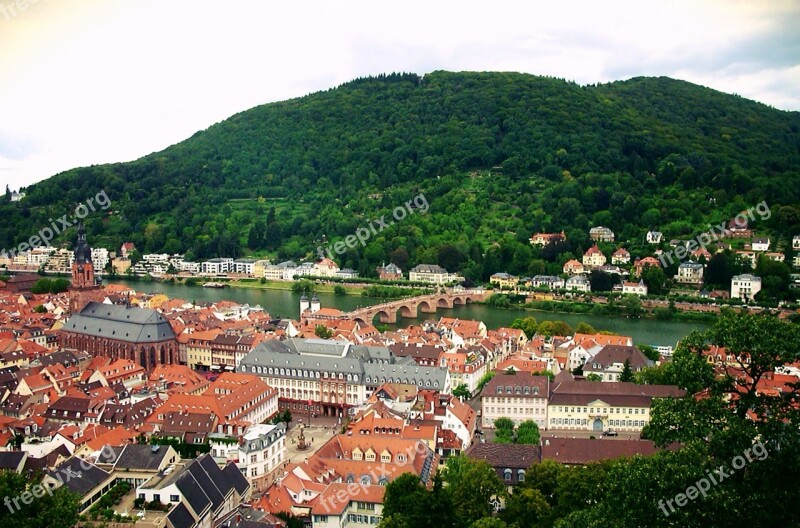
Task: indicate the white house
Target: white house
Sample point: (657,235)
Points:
(621,256)
(258,453)
(745,286)
(635,288)
(654,237)
(690,273)
(760,244)
(217,266)
(601,234)
(593,258)
(579,283)
(433,274)
(548,281)
(243,266)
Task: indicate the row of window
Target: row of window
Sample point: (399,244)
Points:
(584,421)
(517,390)
(370,457)
(361,519)
(541,401)
(301,373)
(515,410)
(610,410)
(507,473)
(349,377)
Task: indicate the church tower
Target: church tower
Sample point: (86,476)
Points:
(82,273)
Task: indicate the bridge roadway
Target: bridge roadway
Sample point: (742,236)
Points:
(388,312)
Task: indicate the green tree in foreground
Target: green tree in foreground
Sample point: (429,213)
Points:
(59,510)
(473,484)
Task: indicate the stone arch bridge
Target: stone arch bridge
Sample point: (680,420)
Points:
(388,312)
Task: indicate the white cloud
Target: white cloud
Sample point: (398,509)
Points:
(90,81)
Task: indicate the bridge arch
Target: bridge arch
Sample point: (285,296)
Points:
(408,311)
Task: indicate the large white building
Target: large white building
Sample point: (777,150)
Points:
(593,406)
(433,274)
(745,286)
(519,396)
(217,266)
(329,377)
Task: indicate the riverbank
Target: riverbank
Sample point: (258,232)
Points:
(602,307)
(256,284)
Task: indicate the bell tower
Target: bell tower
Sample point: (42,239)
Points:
(82,273)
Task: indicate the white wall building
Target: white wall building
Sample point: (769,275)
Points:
(217,266)
(520,397)
(745,286)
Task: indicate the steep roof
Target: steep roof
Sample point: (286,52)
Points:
(512,456)
(123,323)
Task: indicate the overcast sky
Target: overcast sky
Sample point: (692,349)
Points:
(96,81)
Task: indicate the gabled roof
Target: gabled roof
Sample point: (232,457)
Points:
(123,323)
(506,456)
(141,457)
(79,476)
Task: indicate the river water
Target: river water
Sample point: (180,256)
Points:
(286,304)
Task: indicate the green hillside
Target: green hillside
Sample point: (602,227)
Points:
(497,156)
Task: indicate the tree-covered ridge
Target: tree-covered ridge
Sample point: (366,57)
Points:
(497,155)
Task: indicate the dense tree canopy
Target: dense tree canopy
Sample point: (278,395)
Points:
(496,156)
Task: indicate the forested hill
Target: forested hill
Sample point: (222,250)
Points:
(497,155)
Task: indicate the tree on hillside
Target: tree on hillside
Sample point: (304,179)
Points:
(655,279)
(489,522)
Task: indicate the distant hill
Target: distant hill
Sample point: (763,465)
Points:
(498,156)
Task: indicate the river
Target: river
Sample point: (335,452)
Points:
(284,303)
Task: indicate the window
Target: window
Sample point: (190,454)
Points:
(520,475)
(174,498)
(366,480)
(507,475)
(254,472)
